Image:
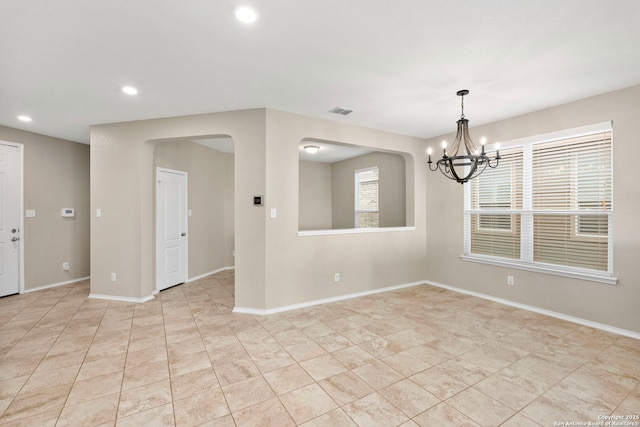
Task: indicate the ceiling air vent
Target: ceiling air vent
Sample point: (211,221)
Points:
(341,111)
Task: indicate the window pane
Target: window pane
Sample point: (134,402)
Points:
(555,242)
(505,244)
(368,219)
(367,188)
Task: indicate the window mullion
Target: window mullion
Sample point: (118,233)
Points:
(526,236)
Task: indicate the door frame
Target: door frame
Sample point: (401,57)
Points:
(186,210)
(20,148)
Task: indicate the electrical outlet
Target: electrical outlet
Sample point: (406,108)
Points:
(336,277)
(510,280)
(113,277)
(65,266)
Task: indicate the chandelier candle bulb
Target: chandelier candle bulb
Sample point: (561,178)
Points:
(429,151)
(483,141)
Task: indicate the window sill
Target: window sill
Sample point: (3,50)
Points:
(574,273)
(304,233)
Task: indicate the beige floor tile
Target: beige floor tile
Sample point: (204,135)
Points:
(193,383)
(377,374)
(94,388)
(144,397)
(10,388)
(40,381)
(160,416)
(146,356)
(269,413)
(29,404)
(305,350)
(307,403)
(322,367)
(189,363)
(140,375)
(374,411)
(200,408)
(289,378)
(345,387)
(101,367)
(444,415)
(90,413)
(406,363)
(236,370)
(409,397)
(247,393)
(352,357)
(480,408)
(485,359)
(335,418)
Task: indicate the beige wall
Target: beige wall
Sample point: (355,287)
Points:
(122,185)
(56,176)
(314,195)
(611,305)
(301,268)
(211,222)
(391,197)
(274,266)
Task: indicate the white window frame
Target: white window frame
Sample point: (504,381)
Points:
(357,196)
(526,237)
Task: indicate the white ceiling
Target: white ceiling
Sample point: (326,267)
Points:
(397,64)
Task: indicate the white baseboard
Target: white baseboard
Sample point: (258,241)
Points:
(562,316)
(122,299)
(246,310)
(55,285)
(202,276)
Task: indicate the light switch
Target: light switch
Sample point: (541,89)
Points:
(31,213)
(273,212)
(98,213)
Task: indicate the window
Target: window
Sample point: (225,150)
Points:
(547,206)
(366,198)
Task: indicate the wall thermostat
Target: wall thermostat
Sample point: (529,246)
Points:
(258,200)
(68,212)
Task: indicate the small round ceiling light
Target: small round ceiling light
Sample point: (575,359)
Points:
(246,15)
(24,118)
(311,149)
(130,90)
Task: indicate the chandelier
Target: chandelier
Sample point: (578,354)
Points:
(462,168)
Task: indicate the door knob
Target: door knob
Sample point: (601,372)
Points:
(183,234)
(13,230)
(15,239)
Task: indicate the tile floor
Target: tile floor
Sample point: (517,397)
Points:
(421,356)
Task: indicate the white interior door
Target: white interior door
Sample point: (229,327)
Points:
(171,222)
(10,208)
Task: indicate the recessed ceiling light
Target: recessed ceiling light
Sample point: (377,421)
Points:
(246,15)
(24,118)
(129,90)
(311,149)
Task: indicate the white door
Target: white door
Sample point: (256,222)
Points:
(171,222)
(10,208)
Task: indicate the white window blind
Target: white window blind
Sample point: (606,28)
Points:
(547,206)
(366,198)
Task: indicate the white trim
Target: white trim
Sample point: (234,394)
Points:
(561,134)
(55,285)
(202,276)
(122,299)
(305,233)
(565,271)
(561,316)
(258,311)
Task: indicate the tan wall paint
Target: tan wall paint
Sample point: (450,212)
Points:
(611,305)
(301,268)
(209,225)
(56,176)
(314,195)
(391,198)
(122,185)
